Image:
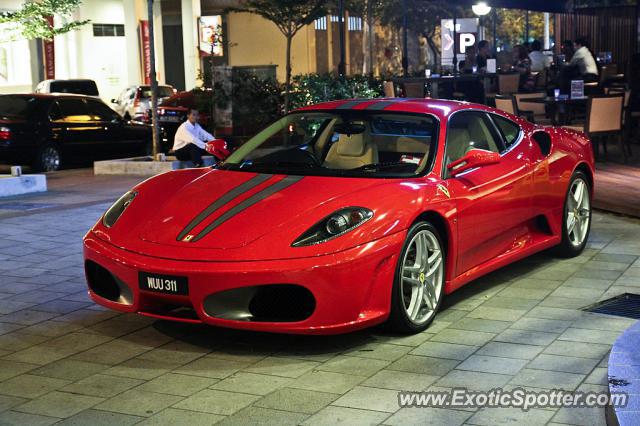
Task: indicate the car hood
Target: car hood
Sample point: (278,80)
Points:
(225,215)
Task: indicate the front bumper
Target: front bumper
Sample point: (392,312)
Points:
(352,289)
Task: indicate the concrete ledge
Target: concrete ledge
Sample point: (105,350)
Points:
(25,184)
(144,166)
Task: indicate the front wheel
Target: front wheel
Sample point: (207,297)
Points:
(576,219)
(49,158)
(419,281)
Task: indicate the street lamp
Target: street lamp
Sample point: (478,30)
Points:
(481,8)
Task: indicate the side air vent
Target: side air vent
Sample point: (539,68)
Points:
(544,142)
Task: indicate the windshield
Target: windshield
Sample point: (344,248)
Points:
(341,143)
(163,91)
(16,106)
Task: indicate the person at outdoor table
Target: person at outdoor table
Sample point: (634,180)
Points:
(584,62)
(522,64)
(567,49)
(484,53)
(539,61)
(189,142)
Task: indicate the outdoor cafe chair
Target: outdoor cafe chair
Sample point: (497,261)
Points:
(389,89)
(626,113)
(508,84)
(506,104)
(534,112)
(604,119)
(413,90)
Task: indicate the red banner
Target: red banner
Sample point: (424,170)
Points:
(145,50)
(48,50)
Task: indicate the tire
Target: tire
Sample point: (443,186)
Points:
(575,233)
(405,317)
(48,158)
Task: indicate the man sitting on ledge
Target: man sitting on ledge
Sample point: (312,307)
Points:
(190,140)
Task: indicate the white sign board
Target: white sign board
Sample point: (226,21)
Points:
(467,34)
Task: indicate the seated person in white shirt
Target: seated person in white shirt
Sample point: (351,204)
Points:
(539,61)
(190,139)
(584,61)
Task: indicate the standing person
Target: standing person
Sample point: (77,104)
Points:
(539,61)
(584,61)
(484,53)
(190,139)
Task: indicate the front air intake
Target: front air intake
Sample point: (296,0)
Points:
(106,285)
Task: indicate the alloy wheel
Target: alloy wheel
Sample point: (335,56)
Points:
(50,159)
(422,277)
(578,212)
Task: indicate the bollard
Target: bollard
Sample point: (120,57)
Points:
(16,171)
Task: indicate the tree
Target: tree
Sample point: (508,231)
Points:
(32,20)
(423,17)
(289,16)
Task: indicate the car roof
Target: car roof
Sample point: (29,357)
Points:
(438,107)
(53,95)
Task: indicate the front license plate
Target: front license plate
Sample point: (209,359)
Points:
(166,284)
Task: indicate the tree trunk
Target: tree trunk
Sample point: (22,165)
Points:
(287,84)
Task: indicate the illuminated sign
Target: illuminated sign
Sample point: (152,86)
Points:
(467,33)
(210,35)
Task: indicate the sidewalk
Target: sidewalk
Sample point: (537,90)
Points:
(64,358)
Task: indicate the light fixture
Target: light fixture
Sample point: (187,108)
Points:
(481,8)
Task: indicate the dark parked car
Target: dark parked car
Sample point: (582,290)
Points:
(78,86)
(46,130)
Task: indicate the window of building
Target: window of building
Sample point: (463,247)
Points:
(108,30)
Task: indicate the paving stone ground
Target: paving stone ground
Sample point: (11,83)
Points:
(64,359)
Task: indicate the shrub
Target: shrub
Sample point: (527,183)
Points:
(309,89)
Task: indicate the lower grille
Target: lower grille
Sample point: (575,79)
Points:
(265,303)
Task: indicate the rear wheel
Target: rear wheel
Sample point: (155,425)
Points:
(576,219)
(419,281)
(49,158)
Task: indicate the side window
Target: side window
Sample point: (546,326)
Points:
(470,130)
(55,113)
(100,112)
(510,130)
(73,111)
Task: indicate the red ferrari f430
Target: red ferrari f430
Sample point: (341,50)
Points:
(344,215)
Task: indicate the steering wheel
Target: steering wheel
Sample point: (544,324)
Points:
(310,156)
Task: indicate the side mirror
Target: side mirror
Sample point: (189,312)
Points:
(472,159)
(218,148)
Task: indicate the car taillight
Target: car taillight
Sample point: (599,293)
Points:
(5,133)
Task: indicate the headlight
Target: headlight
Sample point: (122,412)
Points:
(115,211)
(334,225)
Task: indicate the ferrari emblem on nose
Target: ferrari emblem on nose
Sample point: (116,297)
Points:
(187,238)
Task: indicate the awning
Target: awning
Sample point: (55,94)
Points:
(556,6)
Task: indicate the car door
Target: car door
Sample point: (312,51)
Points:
(113,138)
(72,127)
(493,202)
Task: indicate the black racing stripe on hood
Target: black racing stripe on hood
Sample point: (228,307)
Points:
(254,199)
(220,202)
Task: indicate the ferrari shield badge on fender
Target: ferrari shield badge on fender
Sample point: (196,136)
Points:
(444,190)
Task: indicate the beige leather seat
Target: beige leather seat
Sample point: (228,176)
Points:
(351,152)
(458,143)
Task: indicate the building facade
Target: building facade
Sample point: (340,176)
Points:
(113,48)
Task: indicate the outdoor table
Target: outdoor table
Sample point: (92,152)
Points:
(434,82)
(559,108)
